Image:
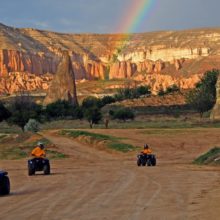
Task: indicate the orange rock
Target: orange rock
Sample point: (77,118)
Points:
(22,81)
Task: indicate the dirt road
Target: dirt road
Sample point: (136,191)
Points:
(94,185)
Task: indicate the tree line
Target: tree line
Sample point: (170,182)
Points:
(202,98)
(23,108)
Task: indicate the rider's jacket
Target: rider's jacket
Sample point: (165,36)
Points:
(146,151)
(38,152)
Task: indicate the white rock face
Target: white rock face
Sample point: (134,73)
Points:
(166,55)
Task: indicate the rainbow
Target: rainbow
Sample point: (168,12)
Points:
(138,11)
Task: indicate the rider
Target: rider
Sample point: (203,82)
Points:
(39,151)
(146,150)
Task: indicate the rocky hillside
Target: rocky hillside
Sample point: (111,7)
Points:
(29,57)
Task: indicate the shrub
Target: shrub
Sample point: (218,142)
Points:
(132,93)
(32,126)
(173,88)
(107,100)
(62,109)
(161,92)
(123,114)
(118,97)
(143,90)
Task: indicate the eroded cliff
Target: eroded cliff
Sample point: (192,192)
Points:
(157,58)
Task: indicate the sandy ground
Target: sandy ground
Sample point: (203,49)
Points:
(95,185)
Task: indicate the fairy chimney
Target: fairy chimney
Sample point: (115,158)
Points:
(63,86)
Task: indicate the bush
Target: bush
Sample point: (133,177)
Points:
(173,88)
(132,93)
(107,100)
(32,126)
(122,114)
(118,97)
(143,90)
(62,109)
(161,92)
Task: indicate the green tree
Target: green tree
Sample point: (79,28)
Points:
(93,115)
(91,102)
(203,97)
(22,109)
(4,113)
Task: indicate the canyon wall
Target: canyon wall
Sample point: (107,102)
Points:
(29,57)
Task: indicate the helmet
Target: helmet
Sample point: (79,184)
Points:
(40,144)
(146,146)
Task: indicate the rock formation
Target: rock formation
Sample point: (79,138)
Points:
(23,81)
(176,55)
(63,86)
(215,115)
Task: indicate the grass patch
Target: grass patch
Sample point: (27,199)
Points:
(110,141)
(55,155)
(172,131)
(121,147)
(154,122)
(3,136)
(9,129)
(13,153)
(212,157)
(23,150)
(78,133)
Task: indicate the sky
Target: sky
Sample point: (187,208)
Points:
(105,16)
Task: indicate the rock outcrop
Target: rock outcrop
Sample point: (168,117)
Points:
(63,86)
(215,114)
(23,81)
(162,81)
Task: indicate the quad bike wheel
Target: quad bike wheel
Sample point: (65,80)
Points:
(31,171)
(46,169)
(153,161)
(139,162)
(143,163)
(4,186)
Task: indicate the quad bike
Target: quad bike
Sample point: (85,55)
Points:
(4,183)
(146,159)
(38,164)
